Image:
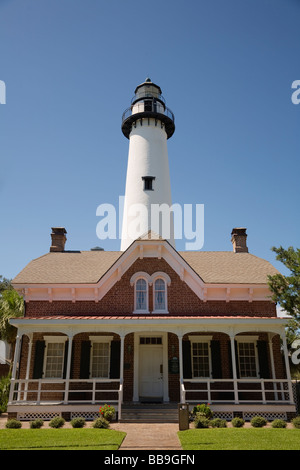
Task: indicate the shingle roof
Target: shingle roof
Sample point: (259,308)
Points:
(87,267)
(229,267)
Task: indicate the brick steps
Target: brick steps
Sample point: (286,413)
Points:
(152,413)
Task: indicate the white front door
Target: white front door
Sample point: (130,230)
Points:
(151,371)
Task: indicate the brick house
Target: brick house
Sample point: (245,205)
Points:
(148,323)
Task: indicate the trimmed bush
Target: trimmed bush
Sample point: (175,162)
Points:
(296,422)
(78,423)
(100,423)
(57,422)
(201,422)
(13,424)
(237,422)
(36,424)
(278,423)
(218,423)
(258,422)
(203,410)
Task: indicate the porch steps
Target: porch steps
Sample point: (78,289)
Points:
(149,413)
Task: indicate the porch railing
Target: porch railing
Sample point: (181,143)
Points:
(63,391)
(259,391)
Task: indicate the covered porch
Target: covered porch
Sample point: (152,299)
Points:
(157,359)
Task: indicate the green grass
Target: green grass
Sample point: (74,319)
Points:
(60,439)
(240,439)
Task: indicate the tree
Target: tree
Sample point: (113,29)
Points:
(286,289)
(11,305)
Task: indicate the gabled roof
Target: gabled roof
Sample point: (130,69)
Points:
(88,267)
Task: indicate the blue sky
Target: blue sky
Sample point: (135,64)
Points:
(225,69)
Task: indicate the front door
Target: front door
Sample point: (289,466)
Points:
(150,371)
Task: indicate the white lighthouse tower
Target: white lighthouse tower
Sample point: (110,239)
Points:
(147,123)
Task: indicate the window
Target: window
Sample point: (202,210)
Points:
(54,358)
(247,359)
(141,295)
(100,359)
(200,359)
(141,282)
(159,295)
(148,182)
(100,356)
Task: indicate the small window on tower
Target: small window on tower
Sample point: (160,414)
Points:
(148,182)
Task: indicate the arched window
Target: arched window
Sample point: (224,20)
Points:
(141,295)
(160,295)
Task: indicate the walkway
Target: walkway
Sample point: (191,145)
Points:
(149,436)
(144,436)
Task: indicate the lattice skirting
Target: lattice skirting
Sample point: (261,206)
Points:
(31,415)
(227,415)
(87,415)
(248,415)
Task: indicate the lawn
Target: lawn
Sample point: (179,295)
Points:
(240,439)
(60,439)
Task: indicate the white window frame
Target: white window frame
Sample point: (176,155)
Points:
(100,339)
(164,277)
(201,339)
(133,281)
(248,339)
(53,340)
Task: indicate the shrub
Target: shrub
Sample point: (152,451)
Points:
(278,423)
(296,422)
(258,422)
(201,422)
(203,410)
(36,424)
(238,422)
(218,423)
(13,424)
(4,393)
(78,423)
(100,423)
(107,412)
(57,422)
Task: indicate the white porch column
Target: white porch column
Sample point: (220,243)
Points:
(182,395)
(287,367)
(235,385)
(15,365)
(30,337)
(122,359)
(67,384)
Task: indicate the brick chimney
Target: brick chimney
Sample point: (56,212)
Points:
(59,239)
(239,240)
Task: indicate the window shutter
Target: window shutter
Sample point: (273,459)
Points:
(186,359)
(115,350)
(262,348)
(216,359)
(85,359)
(38,360)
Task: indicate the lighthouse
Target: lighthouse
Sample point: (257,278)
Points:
(148,124)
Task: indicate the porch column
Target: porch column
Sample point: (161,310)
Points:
(68,370)
(287,367)
(272,364)
(182,394)
(122,359)
(234,374)
(15,365)
(30,337)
